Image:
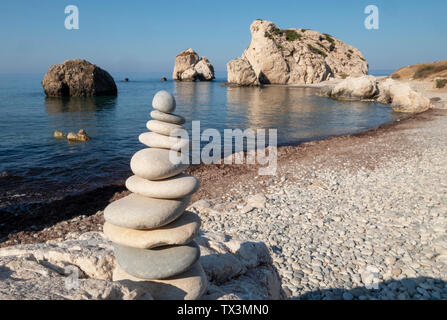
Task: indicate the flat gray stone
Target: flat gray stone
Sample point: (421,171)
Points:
(164,101)
(167,117)
(155,140)
(164,128)
(138,212)
(157,263)
(179,186)
(155,164)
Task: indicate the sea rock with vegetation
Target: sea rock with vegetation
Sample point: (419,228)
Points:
(78,78)
(294,56)
(189,67)
(82,266)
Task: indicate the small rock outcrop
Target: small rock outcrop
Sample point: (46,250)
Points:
(82,267)
(78,78)
(293,56)
(81,136)
(356,88)
(59,134)
(189,67)
(402,98)
(399,95)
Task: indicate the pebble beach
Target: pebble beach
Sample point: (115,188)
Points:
(366,219)
(360,216)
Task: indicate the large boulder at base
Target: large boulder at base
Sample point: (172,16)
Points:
(235,269)
(78,78)
(364,87)
(189,67)
(402,98)
(296,56)
(240,72)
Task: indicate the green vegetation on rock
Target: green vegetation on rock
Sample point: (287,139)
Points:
(316,51)
(329,38)
(440,83)
(291,35)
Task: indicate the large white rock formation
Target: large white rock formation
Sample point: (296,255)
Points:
(293,56)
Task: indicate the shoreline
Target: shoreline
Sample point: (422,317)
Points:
(83,212)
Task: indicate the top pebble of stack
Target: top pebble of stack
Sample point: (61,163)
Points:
(164,101)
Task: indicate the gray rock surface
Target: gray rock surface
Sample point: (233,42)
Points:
(40,271)
(78,78)
(157,263)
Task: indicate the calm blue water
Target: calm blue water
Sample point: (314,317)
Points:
(34,166)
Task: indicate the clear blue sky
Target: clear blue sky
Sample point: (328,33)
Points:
(129,36)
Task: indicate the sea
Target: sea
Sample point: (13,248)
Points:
(36,167)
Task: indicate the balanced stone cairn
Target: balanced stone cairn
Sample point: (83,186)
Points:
(150,229)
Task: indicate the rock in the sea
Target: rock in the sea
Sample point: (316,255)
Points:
(80,136)
(37,271)
(184,61)
(176,187)
(181,231)
(154,164)
(163,79)
(294,56)
(137,212)
(59,134)
(364,87)
(157,263)
(204,69)
(188,67)
(167,117)
(189,285)
(78,78)
(402,98)
(163,101)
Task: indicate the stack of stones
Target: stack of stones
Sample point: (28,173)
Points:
(150,229)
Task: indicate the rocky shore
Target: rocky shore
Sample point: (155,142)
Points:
(359,216)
